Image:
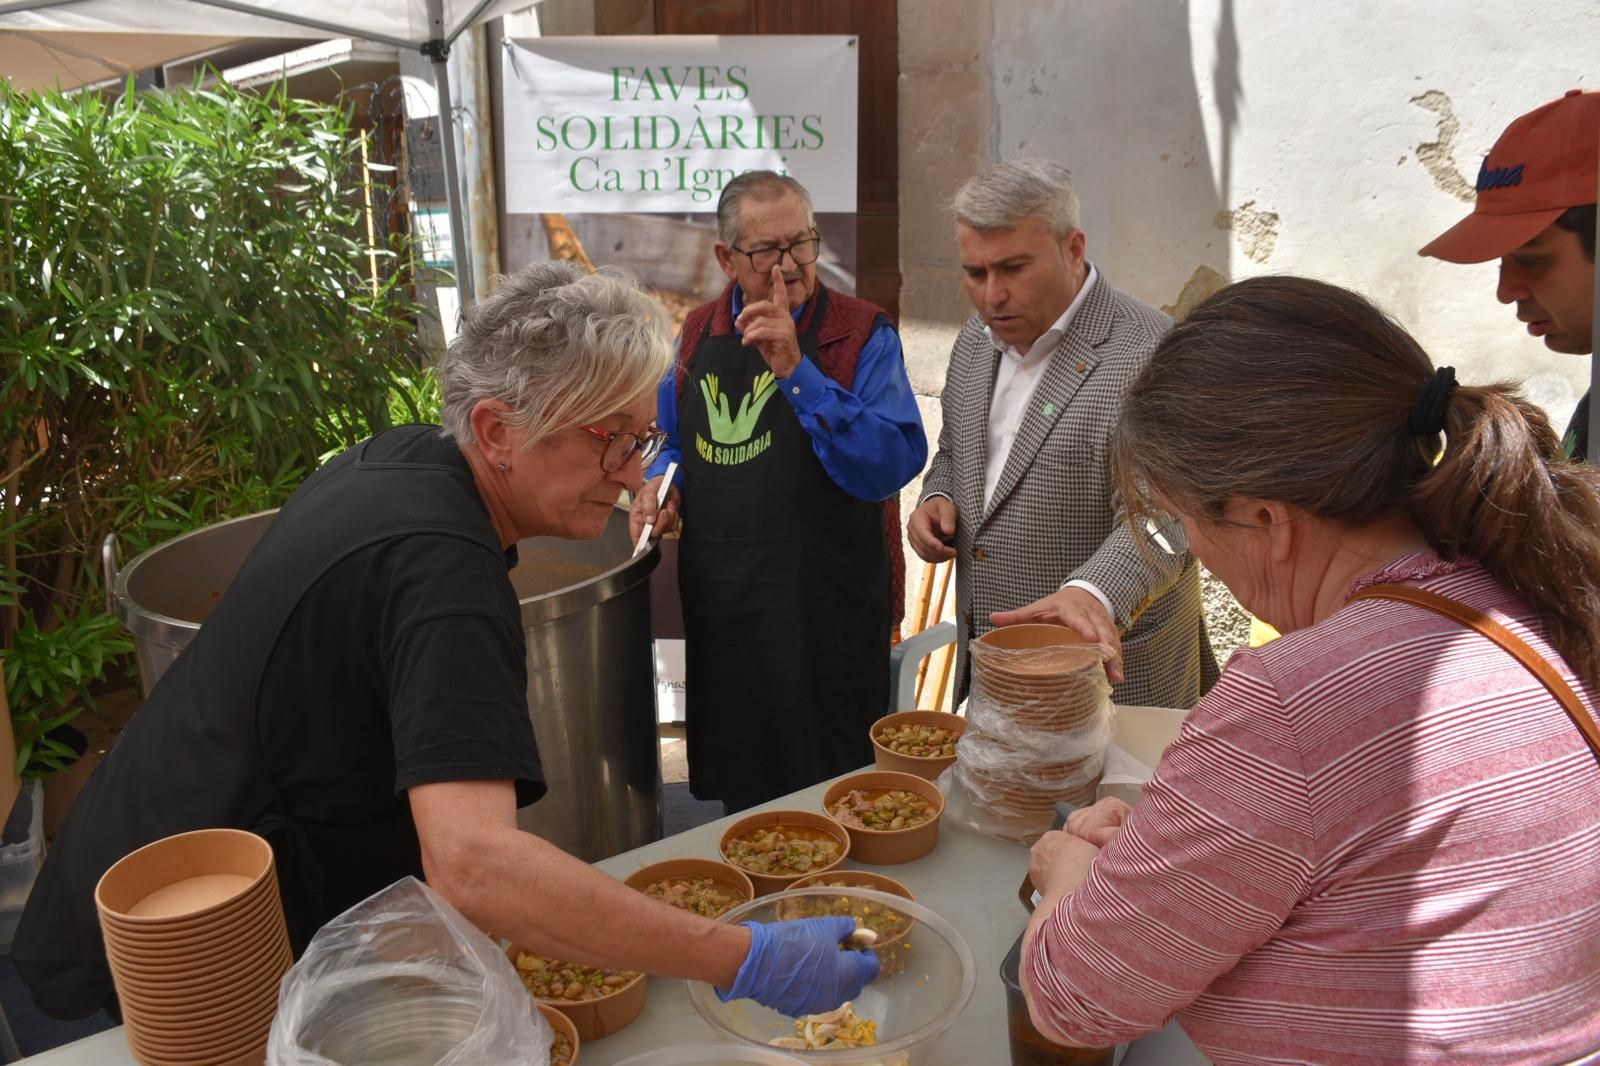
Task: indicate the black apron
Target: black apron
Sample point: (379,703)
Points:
(784,579)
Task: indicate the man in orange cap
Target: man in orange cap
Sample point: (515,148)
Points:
(1536,214)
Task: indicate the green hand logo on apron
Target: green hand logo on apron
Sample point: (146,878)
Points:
(738,428)
(731,431)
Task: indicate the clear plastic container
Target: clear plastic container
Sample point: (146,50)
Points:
(1029,1047)
(20,862)
(713,1055)
(914,1005)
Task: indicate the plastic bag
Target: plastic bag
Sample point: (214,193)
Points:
(403,978)
(1038,722)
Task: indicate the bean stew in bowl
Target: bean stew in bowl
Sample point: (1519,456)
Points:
(890,924)
(596,1001)
(774,848)
(917,742)
(564,1048)
(700,886)
(891,817)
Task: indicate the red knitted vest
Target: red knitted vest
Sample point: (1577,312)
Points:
(845,329)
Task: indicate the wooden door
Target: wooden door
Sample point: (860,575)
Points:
(877,167)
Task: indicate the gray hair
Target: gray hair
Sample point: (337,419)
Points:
(1004,195)
(758,185)
(558,346)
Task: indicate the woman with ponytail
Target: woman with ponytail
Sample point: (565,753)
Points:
(1378,838)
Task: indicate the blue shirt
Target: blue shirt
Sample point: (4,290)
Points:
(870,441)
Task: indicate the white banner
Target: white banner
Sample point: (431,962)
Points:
(605,124)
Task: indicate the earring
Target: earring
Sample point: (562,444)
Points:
(503,467)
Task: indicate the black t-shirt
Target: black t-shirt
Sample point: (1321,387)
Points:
(403,665)
(371,642)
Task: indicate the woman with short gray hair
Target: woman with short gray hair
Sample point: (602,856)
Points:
(558,347)
(359,695)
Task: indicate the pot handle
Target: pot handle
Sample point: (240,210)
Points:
(108,562)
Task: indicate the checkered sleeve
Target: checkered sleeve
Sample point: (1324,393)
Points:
(1134,568)
(941,477)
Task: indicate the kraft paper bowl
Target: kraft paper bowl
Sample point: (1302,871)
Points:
(766,883)
(928,766)
(176,860)
(602,1015)
(888,847)
(563,1025)
(888,948)
(724,874)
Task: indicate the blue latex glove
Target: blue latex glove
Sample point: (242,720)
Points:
(798,968)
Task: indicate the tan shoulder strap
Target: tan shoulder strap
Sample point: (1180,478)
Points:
(1515,645)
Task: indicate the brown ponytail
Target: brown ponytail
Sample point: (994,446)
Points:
(1504,495)
(1283,388)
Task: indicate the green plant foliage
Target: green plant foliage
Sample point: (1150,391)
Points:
(188,320)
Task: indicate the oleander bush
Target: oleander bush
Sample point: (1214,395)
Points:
(190,317)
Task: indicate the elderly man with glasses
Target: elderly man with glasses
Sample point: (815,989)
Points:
(790,569)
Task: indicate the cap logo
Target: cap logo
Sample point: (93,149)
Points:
(1498,177)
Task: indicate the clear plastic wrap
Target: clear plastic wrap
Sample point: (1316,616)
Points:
(402,978)
(1038,722)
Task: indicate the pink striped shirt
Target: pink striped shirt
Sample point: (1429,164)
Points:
(1376,840)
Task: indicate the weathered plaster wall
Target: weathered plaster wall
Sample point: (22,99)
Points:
(1212,140)
(1218,139)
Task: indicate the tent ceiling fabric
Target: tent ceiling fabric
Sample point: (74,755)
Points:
(48,60)
(395,21)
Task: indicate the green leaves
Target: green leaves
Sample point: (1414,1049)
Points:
(187,323)
(46,672)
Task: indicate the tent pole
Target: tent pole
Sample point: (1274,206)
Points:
(452,184)
(439,52)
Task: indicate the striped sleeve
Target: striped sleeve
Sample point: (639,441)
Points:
(1205,870)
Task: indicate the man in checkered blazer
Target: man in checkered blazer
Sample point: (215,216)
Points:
(1020,493)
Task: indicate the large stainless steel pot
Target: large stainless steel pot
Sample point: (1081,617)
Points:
(591,674)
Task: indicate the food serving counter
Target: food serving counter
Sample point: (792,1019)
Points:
(968,878)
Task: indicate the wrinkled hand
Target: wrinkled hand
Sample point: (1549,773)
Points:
(768,326)
(1058,862)
(644,508)
(1099,823)
(798,968)
(1079,609)
(929,526)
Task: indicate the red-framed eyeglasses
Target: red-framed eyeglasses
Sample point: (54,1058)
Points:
(621,446)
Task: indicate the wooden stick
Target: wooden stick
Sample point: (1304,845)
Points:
(929,570)
(372,233)
(923,596)
(938,617)
(944,677)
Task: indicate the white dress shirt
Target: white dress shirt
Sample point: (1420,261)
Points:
(1014,384)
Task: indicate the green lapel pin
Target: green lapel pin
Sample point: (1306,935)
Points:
(1049,410)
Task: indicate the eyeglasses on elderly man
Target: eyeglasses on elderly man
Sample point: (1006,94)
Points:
(804,253)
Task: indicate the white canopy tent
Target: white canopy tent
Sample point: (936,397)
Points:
(429,26)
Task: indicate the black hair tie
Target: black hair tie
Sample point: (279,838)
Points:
(1427,415)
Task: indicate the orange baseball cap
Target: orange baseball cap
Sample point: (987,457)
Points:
(1545,162)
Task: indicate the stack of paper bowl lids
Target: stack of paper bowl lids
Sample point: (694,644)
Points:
(1047,679)
(195,935)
